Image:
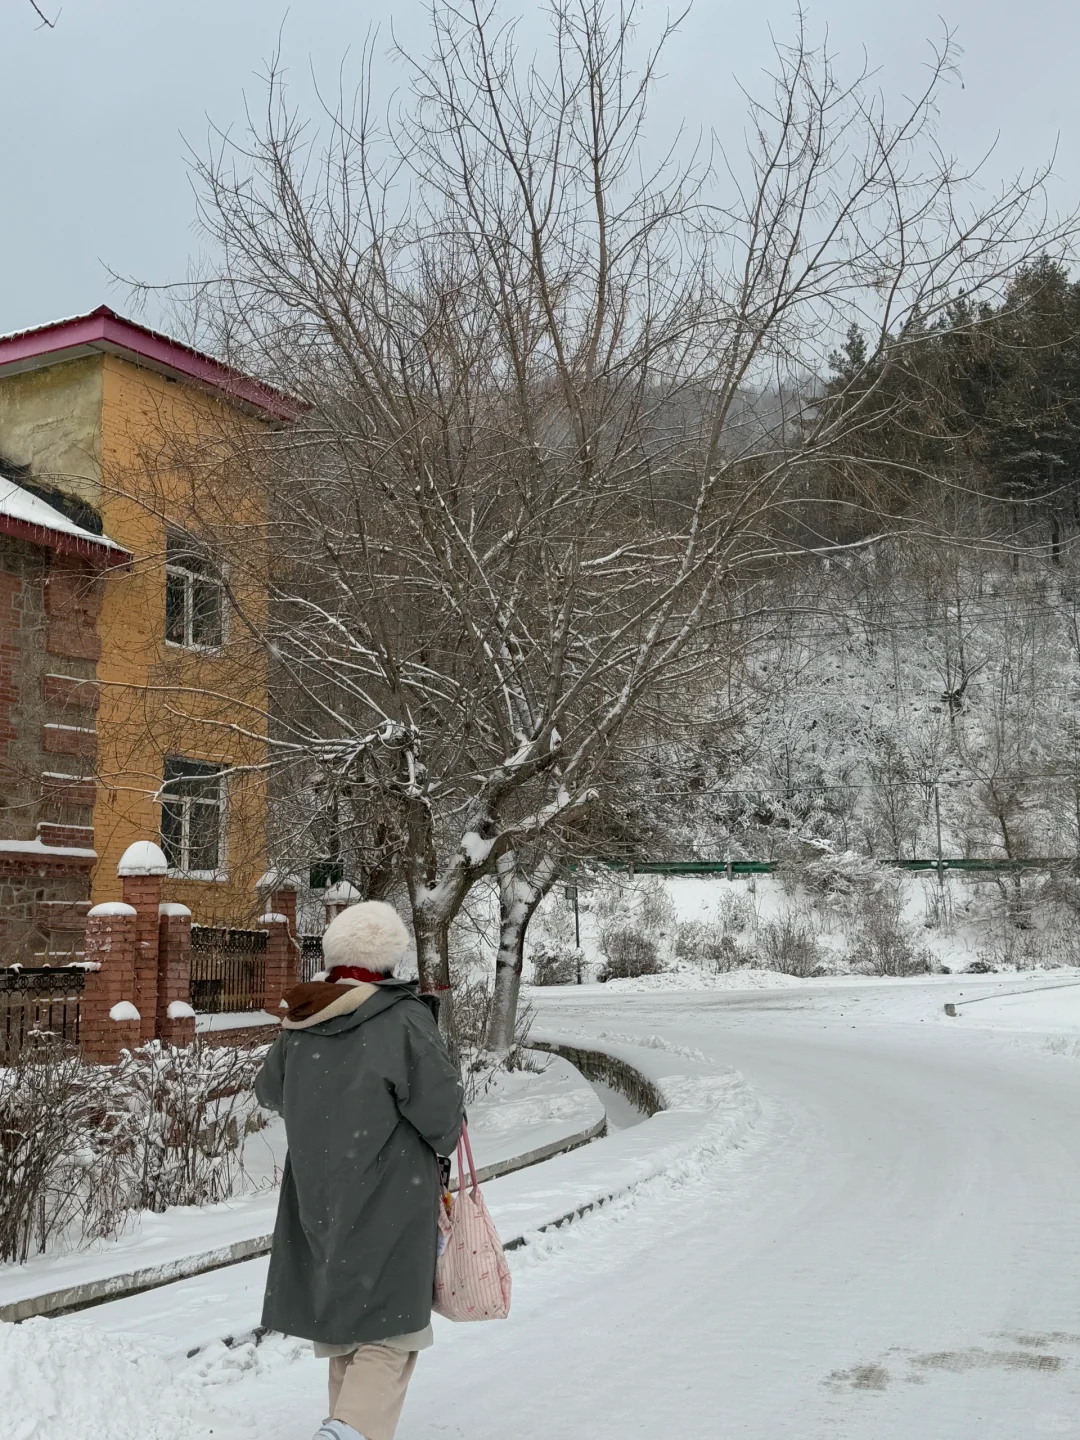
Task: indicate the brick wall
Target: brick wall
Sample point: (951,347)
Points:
(48,702)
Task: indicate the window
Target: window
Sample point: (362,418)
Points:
(193,594)
(192,808)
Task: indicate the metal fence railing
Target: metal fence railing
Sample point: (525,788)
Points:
(38,1004)
(228,969)
(311,957)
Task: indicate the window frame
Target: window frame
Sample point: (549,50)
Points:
(187,547)
(197,770)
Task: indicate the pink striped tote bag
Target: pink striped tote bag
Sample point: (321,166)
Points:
(472,1278)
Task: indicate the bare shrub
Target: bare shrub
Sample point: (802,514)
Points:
(708,944)
(788,944)
(187,1111)
(82,1146)
(472,1007)
(882,943)
(556,967)
(55,1170)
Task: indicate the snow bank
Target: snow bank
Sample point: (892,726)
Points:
(235,1020)
(693,978)
(62,1381)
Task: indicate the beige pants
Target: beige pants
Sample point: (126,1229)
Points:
(367,1389)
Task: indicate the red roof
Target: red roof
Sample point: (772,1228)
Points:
(105,332)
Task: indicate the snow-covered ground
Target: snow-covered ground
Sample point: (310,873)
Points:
(888,1249)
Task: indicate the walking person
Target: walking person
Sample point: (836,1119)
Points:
(370,1099)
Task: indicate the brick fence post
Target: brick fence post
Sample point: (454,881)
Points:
(281,966)
(282,901)
(175,1022)
(110,945)
(282,946)
(142,868)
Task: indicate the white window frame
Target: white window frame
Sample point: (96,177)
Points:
(182,872)
(174,570)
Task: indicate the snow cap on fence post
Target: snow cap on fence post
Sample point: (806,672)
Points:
(339,897)
(110,984)
(141,869)
(142,858)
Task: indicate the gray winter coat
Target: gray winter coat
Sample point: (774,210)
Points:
(369,1097)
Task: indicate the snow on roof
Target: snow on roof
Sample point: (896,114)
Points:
(29,517)
(38,847)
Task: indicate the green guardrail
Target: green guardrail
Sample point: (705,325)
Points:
(767,867)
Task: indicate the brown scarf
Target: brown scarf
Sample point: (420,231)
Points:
(304,1001)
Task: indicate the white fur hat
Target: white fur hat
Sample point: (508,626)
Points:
(370,934)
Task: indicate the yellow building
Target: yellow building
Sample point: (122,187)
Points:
(132,704)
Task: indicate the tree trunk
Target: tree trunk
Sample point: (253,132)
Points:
(519,895)
(502,1018)
(433,963)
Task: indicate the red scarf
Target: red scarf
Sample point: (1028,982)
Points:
(357,972)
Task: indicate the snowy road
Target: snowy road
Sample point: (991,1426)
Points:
(897,1259)
(895,1255)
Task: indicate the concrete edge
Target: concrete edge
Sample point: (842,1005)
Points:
(608,1070)
(132,1282)
(621,1076)
(135,1282)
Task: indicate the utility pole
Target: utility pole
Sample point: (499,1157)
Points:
(572,896)
(940,859)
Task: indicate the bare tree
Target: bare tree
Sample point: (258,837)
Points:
(559,399)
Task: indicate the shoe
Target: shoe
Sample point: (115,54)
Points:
(336,1430)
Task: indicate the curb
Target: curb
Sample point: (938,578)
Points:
(598,1065)
(951,1005)
(621,1076)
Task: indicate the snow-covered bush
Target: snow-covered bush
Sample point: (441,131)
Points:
(59,1168)
(636,923)
(882,943)
(556,967)
(83,1146)
(628,954)
(187,1111)
(833,877)
(708,944)
(719,942)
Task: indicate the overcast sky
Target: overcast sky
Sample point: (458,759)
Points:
(97,110)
